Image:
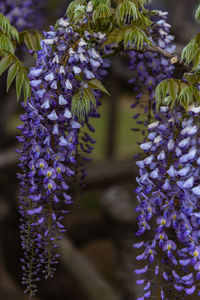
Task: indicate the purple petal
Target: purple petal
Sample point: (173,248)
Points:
(141,271)
(191,290)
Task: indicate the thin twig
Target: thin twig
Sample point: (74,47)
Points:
(173,57)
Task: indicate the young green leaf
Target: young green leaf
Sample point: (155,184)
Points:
(81,103)
(103,13)
(126,12)
(12,74)
(6,44)
(27,89)
(135,36)
(19,83)
(96,84)
(7,28)
(72,7)
(197,15)
(5,63)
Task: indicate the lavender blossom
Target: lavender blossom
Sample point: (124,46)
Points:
(168,196)
(50,135)
(151,68)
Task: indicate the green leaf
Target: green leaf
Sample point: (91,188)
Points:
(192,78)
(90,96)
(126,11)
(7,28)
(72,7)
(191,53)
(5,63)
(142,3)
(197,15)
(186,97)
(27,89)
(37,41)
(32,39)
(97,2)
(96,84)
(12,74)
(19,83)
(135,36)
(6,44)
(173,89)
(102,13)
(81,103)
(113,36)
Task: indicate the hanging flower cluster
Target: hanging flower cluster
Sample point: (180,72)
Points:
(168,196)
(20,12)
(65,67)
(151,68)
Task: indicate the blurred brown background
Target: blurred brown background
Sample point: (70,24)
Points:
(97,259)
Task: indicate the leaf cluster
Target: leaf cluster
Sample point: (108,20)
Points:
(172,92)
(32,39)
(107,15)
(17,71)
(9,39)
(84,98)
(191,53)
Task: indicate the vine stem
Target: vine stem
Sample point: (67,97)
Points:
(173,57)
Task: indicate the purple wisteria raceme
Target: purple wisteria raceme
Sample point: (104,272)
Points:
(66,64)
(22,13)
(169,208)
(151,68)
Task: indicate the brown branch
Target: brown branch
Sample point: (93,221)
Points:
(173,57)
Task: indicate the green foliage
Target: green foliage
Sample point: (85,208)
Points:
(197,15)
(5,63)
(97,85)
(7,29)
(15,70)
(132,36)
(76,10)
(9,37)
(31,38)
(81,103)
(126,12)
(12,74)
(172,92)
(97,2)
(102,13)
(6,44)
(135,37)
(191,53)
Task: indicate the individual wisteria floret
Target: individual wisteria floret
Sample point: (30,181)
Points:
(151,68)
(22,13)
(50,135)
(169,208)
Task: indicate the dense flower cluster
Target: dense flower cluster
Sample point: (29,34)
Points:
(50,135)
(168,196)
(20,12)
(151,68)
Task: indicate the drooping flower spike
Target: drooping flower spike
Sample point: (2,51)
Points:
(168,194)
(151,69)
(50,135)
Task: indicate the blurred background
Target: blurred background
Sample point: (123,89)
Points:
(97,259)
